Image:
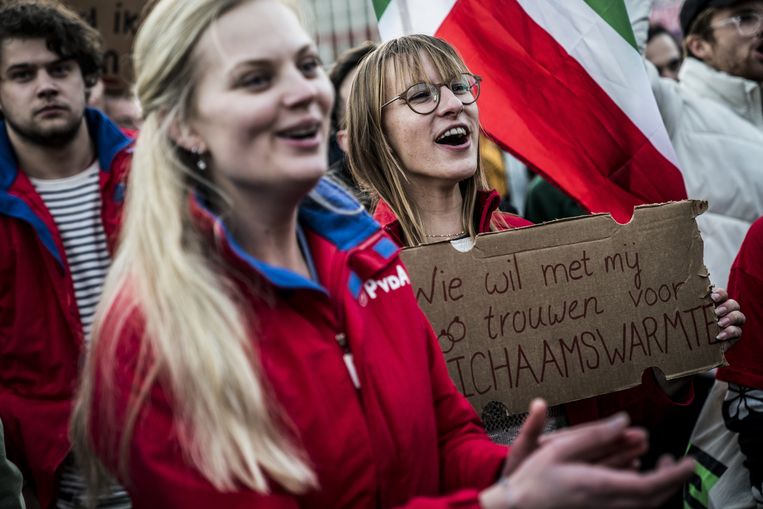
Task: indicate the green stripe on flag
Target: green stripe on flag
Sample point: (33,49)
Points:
(613,12)
(380,6)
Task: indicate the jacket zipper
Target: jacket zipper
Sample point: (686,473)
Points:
(344,345)
(349,362)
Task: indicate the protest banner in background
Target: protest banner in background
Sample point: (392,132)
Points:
(117,22)
(570,309)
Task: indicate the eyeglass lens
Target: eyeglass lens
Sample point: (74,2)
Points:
(746,23)
(749,23)
(424,97)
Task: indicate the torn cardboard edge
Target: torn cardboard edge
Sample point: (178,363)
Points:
(572,308)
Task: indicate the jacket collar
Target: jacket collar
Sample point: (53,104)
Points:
(108,139)
(487,203)
(327,211)
(19,202)
(741,95)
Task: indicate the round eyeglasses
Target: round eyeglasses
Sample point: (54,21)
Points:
(747,24)
(423,98)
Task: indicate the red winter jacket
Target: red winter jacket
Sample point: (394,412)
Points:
(41,340)
(746,286)
(406,438)
(647,403)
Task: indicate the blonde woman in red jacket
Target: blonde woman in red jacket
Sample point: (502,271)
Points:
(413,125)
(240,358)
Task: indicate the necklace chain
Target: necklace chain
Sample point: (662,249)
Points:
(446,235)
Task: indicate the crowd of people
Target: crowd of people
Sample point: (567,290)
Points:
(182,268)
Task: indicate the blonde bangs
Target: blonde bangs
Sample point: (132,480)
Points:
(405,61)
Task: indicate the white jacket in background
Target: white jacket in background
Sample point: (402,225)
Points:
(715,122)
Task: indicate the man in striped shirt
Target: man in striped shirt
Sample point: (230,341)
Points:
(62,170)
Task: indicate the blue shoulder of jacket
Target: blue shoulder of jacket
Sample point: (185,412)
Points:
(332,212)
(108,138)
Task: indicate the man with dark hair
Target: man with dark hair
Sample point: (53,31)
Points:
(664,51)
(62,171)
(725,35)
(341,75)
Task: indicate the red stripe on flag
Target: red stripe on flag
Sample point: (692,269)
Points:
(539,103)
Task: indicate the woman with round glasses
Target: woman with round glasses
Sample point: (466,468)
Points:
(414,136)
(413,126)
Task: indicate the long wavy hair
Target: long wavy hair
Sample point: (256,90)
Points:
(197,342)
(373,161)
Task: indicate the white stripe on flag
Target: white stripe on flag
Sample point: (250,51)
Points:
(425,17)
(608,58)
(391,22)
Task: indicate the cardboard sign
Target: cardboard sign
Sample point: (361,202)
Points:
(570,309)
(117,22)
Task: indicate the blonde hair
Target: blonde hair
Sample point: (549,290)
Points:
(196,342)
(373,161)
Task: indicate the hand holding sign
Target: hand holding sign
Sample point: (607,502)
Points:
(730,318)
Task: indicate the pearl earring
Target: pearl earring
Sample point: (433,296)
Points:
(201,164)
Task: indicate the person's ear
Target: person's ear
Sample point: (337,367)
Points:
(186,137)
(342,139)
(699,47)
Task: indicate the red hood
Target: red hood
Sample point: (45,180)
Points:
(487,204)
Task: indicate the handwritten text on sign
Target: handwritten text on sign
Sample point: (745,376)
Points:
(570,309)
(117,21)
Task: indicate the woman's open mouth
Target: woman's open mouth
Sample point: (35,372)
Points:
(456,137)
(304,136)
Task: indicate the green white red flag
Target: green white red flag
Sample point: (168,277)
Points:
(564,89)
